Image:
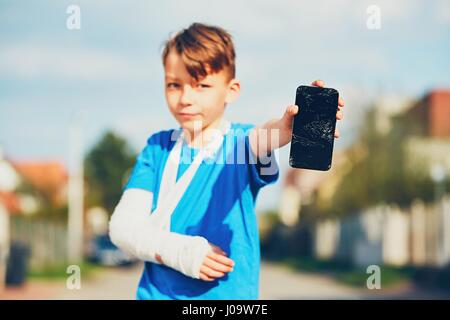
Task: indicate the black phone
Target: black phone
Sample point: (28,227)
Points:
(313,128)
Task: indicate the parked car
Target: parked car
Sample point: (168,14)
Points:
(102,251)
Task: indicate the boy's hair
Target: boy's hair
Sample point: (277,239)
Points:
(204,49)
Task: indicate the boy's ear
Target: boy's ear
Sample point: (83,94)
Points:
(234,88)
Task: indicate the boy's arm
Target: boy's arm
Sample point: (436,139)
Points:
(278,132)
(133,230)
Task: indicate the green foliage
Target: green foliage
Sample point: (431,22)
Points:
(59,271)
(106,166)
(46,209)
(51,212)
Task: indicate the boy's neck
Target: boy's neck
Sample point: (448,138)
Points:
(201,138)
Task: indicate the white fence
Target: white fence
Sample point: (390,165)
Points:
(47,240)
(417,236)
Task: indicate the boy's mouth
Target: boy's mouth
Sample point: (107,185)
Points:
(188,115)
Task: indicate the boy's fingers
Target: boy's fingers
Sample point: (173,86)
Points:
(216,265)
(337,134)
(318,83)
(205,277)
(291,111)
(210,272)
(339,115)
(321,83)
(221,259)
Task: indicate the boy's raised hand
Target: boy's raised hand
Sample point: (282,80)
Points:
(215,265)
(263,144)
(292,110)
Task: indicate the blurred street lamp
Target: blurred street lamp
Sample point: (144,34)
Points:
(438,175)
(76,192)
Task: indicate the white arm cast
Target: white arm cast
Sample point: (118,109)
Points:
(133,230)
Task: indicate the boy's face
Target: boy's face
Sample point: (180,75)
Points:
(194,103)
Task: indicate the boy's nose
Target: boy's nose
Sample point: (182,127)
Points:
(186,96)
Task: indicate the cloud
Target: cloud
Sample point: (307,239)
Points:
(33,61)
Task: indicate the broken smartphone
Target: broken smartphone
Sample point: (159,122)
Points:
(313,128)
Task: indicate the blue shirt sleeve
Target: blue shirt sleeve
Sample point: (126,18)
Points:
(143,175)
(261,174)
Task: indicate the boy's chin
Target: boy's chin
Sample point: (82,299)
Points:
(192,125)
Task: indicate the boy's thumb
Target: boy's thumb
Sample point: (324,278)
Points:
(291,111)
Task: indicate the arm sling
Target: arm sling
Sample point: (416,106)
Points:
(144,235)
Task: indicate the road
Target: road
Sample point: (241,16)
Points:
(277,282)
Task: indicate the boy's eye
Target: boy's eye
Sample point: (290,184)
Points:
(203,85)
(173,85)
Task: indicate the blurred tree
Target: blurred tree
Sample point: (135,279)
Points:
(45,207)
(106,166)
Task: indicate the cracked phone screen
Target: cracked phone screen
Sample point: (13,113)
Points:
(313,128)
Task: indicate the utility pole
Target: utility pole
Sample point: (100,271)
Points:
(75,192)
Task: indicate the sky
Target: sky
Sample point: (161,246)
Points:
(108,73)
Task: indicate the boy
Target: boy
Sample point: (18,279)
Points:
(197,231)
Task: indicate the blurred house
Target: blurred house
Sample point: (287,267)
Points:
(21,182)
(428,122)
(12,201)
(49,178)
(430,116)
(300,185)
(22,187)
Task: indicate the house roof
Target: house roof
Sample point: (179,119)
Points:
(439,113)
(47,177)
